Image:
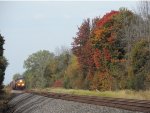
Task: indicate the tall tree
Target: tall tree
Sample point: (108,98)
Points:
(110,49)
(107,48)
(80,43)
(140,63)
(3,62)
(82,48)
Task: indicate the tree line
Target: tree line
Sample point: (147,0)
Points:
(3,62)
(108,53)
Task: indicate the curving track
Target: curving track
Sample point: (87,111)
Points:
(127,104)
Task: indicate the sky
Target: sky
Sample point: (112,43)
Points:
(28,27)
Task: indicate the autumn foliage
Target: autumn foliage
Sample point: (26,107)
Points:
(82,48)
(107,18)
(107,54)
(94,50)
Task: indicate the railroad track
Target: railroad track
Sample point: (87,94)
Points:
(127,104)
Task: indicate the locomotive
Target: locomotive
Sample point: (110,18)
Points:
(18,84)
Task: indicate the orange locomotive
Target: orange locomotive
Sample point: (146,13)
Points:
(18,84)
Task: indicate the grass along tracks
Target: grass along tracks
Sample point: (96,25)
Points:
(127,94)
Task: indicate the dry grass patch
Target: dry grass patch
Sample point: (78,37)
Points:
(129,94)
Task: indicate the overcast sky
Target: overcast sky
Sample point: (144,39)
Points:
(32,26)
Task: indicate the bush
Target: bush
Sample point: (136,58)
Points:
(58,83)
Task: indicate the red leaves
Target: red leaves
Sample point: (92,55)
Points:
(99,47)
(104,37)
(82,47)
(97,58)
(92,48)
(106,54)
(106,18)
(58,83)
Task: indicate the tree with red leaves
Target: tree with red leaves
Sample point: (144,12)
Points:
(104,41)
(82,48)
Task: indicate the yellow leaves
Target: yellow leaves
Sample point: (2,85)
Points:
(118,60)
(98,33)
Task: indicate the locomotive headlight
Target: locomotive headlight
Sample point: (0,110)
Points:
(20,80)
(22,84)
(18,84)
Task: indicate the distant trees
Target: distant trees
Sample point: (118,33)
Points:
(43,68)
(56,69)
(17,76)
(35,68)
(3,62)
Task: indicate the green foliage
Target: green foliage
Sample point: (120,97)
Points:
(56,68)
(72,74)
(35,68)
(44,69)
(67,83)
(29,79)
(17,76)
(3,62)
(140,55)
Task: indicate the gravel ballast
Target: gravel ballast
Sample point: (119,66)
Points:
(29,103)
